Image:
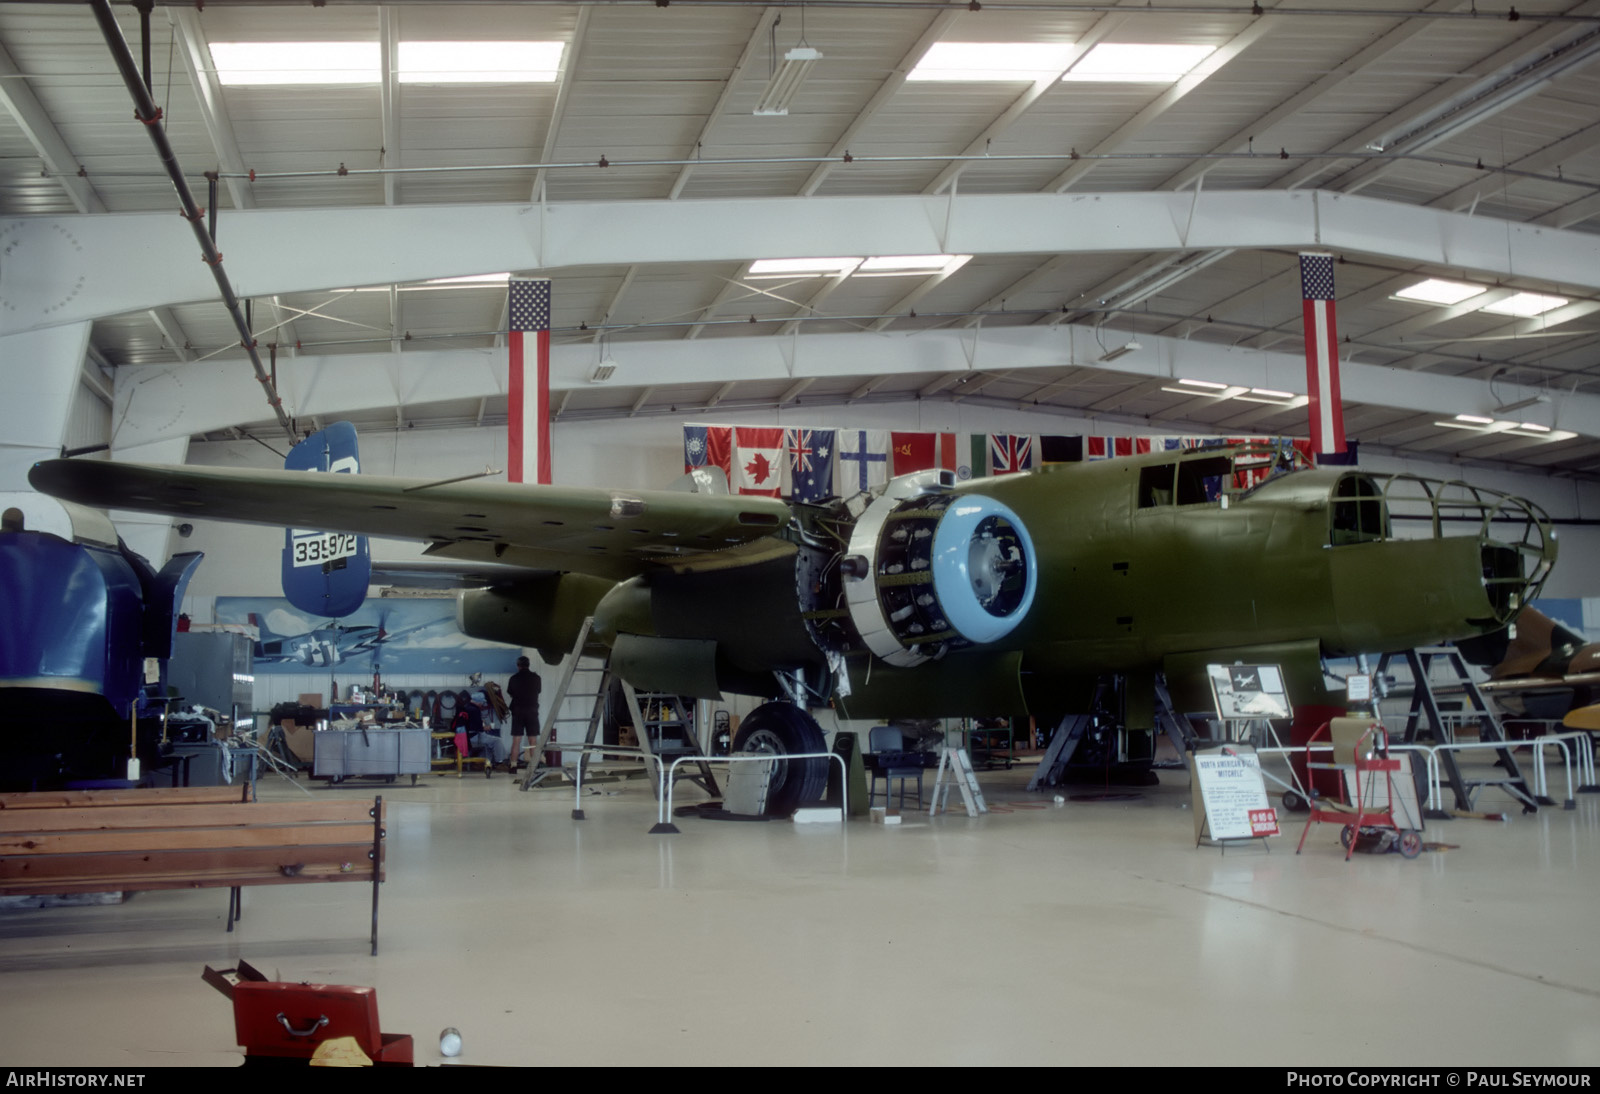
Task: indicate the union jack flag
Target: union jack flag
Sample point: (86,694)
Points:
(1010,453)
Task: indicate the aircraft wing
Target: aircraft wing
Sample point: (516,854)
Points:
(607,533)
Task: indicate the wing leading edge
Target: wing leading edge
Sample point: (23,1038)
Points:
(608,533)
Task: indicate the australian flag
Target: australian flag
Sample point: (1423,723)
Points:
(809,458)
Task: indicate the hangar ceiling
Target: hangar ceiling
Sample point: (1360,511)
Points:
(1463,114)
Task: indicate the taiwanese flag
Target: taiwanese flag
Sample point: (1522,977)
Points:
(757,460)
(808,463)
(912,452)
(708,446)
(1010,453)
(1322,355)
(528,417)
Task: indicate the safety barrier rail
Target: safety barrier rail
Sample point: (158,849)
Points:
(664,798)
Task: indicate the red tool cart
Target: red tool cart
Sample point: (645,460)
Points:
(1370,791)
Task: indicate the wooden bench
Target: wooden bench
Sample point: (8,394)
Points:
(89,841)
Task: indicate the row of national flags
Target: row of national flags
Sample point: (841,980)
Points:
(810,465)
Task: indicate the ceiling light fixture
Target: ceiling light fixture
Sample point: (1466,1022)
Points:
(1522,404)
(1122,350)
(785,82)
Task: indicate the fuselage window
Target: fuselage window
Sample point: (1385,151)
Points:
(1359,513)
(1155,486)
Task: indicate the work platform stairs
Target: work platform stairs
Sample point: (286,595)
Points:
(1442,670)
(663,724)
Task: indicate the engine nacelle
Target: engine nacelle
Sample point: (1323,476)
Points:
(929,570)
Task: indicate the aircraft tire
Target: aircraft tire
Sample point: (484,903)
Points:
(782,728)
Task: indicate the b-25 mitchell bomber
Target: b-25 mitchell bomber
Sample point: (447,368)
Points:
(1011,595)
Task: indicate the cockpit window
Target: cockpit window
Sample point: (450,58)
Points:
(1359,512)
(1202,480)
(1155,486)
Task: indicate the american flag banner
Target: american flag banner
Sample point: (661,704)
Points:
(1322,354)
(528,421)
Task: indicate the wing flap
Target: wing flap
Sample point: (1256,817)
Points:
(610,533)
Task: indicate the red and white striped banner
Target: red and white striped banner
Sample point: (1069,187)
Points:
(528,423)
(1322,354)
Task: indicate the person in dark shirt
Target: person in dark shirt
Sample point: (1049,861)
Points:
(523,689)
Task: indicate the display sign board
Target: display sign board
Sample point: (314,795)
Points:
(1249,692)
(1230,798)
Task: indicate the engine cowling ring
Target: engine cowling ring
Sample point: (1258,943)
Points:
(979,550)
(929,570)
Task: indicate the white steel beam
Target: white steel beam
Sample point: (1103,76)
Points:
(155,402)
(87,267)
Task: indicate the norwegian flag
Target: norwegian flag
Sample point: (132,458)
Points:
(1322,354)
(1010,453)
(528,420)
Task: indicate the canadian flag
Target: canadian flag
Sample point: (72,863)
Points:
(758,460)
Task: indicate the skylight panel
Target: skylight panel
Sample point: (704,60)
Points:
(904,265)
(479,62)
(976,61)
(260,64)
(1126,62)
(1525,305)
(1436,291)
(804,267)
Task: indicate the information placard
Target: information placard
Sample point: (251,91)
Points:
(1230,798)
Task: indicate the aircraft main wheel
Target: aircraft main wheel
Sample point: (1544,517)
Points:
(780,729)
(1346,835)
(1410,844)
(1294,802)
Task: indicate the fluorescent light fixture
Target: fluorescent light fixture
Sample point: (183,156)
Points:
(1474,419)
(1436,291)
(1127,62)
(1525,305)
(1211,385)
(785,82)
(1286,399)
(1112,354)
(1522,404)
(470,279)
(479,62)
(802,267)
(603,372)
(903,265)
(1516,427)
(993,61)
(261,64)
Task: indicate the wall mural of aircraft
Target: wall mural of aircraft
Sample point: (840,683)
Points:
(1016,595)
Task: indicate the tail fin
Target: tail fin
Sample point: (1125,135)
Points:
(326,573)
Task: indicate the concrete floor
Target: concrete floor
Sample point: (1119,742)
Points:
(1063,933)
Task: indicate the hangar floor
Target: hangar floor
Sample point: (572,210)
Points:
(1083,932)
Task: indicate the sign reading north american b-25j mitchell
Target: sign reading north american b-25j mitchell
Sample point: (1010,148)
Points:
(1012,595)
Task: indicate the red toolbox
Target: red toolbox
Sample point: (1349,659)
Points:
(283,1021)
